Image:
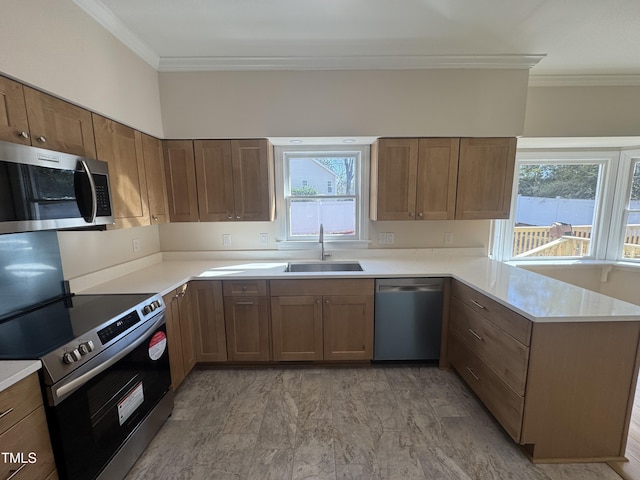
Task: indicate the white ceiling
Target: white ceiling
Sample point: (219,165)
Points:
(577,37)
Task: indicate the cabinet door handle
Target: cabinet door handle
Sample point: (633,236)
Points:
(23,134)
(6,412)
(238,217)
(411,214)
(473,374)
(13,473)
(326,301)
(244,303)
(420,214)
(475,334)
(477,304)
(42,139)
(229,217)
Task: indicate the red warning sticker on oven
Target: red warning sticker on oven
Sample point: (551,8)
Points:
(157,345)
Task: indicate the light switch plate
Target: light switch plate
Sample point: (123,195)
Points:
(382,238)
(226,239)
(264,239)
(136,244)
(448,238)
(391,238)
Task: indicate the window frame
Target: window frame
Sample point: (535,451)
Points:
(361,187)
(628,159)
(601,242)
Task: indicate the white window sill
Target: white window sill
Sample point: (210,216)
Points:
(328,245)
(623,265)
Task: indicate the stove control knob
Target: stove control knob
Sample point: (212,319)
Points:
(147,309)
(157,303)
(86,347)
(72,356)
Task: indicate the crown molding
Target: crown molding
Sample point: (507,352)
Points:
(105,17)
(584,80)
(359,62)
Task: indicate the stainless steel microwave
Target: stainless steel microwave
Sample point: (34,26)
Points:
(46,190)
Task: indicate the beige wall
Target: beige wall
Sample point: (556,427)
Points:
(56,47)
(344,103)
(582,111)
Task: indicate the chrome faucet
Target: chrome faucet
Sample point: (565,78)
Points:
(323,256)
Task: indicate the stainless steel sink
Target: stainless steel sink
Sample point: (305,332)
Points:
(324,267)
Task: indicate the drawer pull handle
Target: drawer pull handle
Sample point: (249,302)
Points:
(473,374)
(244,303)
(13,473)
(475,334)
(6,412)
(477,304)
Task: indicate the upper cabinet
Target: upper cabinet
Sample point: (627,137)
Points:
(441,178)
(57,125)
(30,117)
(485,178)
(156,181)
(414,178)
(181,180)
(121,147)
(13,113)
(234,180)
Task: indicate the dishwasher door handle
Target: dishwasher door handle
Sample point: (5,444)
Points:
(427,287)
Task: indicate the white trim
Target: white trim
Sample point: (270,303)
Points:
(105,17)
(349,62)
(584,80)
(628,159)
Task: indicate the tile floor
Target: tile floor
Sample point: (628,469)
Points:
(399,422)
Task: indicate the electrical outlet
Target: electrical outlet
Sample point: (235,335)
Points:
(390,238)
(136,244)
(226,239)
(264,239)
(382,238)
(448,238)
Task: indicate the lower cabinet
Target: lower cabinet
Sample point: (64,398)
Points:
(180,334)
(564,391)
(208,313)
(24,432)
(246,316)
(322,319)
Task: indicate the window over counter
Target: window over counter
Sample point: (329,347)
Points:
(325,185)
(581,204)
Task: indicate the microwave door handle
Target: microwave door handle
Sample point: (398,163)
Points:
(58,393)
(94,196)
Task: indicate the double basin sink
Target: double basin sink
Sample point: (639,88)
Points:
(324,267)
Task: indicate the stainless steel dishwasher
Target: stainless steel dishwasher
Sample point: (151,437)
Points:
(408,318)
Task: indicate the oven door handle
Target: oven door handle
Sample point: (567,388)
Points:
(60,392)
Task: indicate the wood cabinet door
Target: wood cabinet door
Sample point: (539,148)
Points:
(208,317)
(485,178)
(174,339)
(437,178)
(247,328)
(156,180)
(58,125)
(121,147)
(296,326)
(30,435)
(13,113)
(180,172)
(394,167)
(253,180)
(186,327)
(348,327)
(214,173)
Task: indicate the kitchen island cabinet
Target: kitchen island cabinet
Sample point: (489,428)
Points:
(562,390)
(246,314)
(322,319)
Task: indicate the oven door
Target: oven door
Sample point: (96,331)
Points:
(91,423)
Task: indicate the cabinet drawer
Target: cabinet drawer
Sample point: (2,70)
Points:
(333,286)
(505,404)
(514,324)
(17,401)
(499,350)
(29,435)
(254,288)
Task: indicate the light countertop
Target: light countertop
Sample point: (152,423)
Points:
(12,371)
(536,297)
